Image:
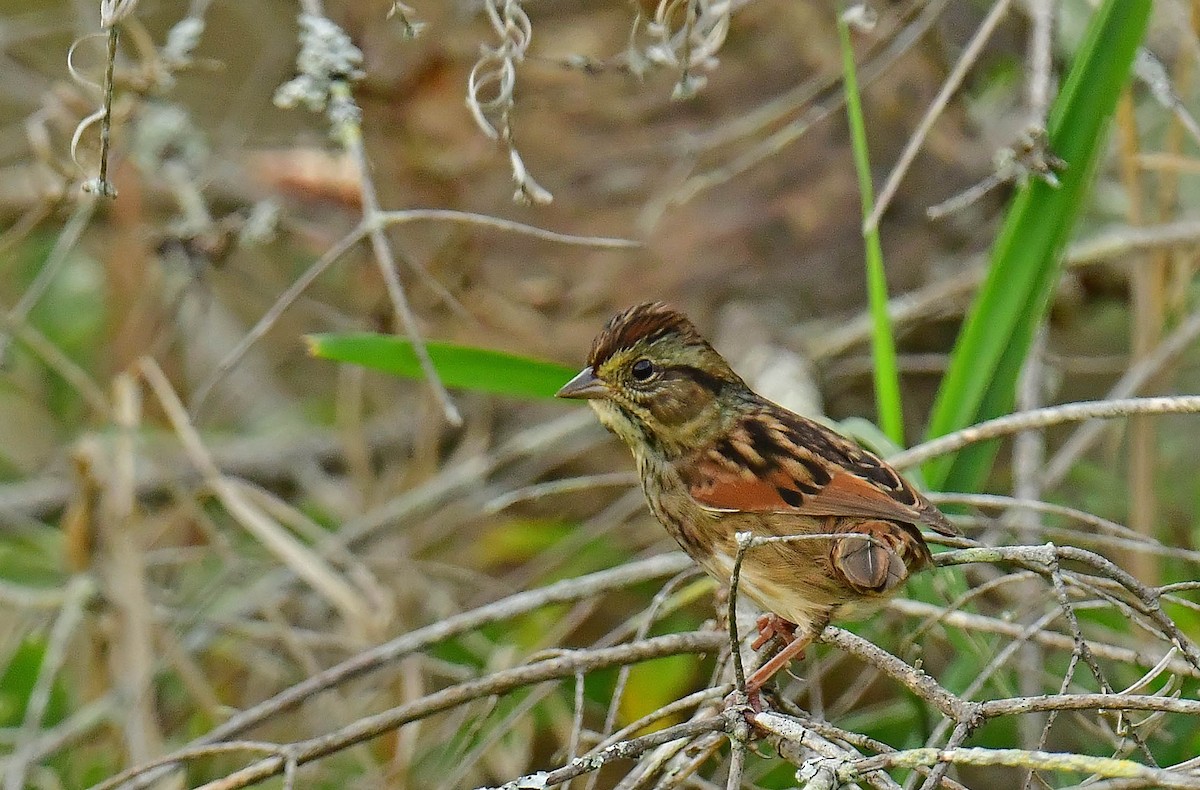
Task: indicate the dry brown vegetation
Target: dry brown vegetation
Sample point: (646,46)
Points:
(221,560)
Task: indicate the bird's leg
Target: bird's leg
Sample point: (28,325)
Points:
(772,625)
(780,660)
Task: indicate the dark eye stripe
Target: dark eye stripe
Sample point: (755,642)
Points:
(705,379)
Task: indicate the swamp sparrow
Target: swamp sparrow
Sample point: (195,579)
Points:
(716,459)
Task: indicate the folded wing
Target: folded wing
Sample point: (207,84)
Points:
(777,461)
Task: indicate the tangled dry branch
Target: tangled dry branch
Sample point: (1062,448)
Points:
(1111,653)
(797,736)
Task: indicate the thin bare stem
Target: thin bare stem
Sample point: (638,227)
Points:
(1019,758)
(949,296)
(78,591)
(1043,418)
(103,186)
(827,100)
(497,223)
(406,644)
(965,61)
(57,361)
(1041,14)
(564,486)
(286,299)
(59,255)
(306,563)
(496,683)
(915,680)
(643,629)
(385,259)
(744,542)
(934,778)
(622,750)
(670,709)
(1181,338)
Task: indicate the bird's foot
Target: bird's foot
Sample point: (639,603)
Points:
(747,704)
(772,625)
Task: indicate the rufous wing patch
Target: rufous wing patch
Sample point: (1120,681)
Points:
(778,492)
(721,490)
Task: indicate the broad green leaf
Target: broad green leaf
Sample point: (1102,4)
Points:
(981,380)
(461,367)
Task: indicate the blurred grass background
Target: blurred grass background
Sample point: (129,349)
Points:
(196,617)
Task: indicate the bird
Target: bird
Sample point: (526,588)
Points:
(716,459)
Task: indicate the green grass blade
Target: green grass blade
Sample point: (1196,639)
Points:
(883,344)
(460,367)
(981,380)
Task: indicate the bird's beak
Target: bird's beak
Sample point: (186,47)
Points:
(584,386)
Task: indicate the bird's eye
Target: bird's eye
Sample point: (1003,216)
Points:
(642,370)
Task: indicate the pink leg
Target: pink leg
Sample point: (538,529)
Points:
(781,659)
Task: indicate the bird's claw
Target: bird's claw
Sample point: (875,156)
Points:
(771,626)
(747,704)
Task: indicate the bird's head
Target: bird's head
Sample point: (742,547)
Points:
(655,382)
